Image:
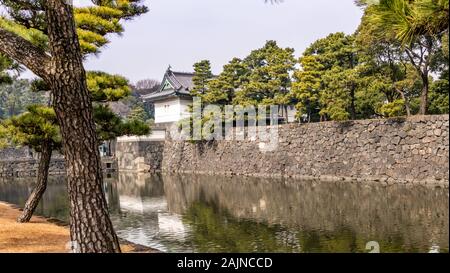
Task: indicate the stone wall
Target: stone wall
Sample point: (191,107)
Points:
(29,167)
(397,150)
(8,154)
(24,161)
(139,156)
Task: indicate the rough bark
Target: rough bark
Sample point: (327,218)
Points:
(41,184)
(90,225)
(26,53)
(62,68)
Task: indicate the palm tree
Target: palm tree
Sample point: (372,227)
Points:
(419,26)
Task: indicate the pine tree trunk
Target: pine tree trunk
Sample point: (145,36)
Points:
(91,229)
(62,69)
(41,185)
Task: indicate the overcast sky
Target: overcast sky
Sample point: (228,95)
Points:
(182,32)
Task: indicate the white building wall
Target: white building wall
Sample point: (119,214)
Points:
(167,111)
(171,110)
(184,108)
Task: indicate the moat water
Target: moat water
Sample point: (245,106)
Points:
(193,213)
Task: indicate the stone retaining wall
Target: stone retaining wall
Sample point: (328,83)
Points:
(29,167)
(139,156)
(400,150)
(397,150)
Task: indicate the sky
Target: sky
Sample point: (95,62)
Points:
(182,32)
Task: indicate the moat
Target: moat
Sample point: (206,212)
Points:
(193,213)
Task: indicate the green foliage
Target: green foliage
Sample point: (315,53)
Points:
(393,109)
(3,136)
(327,82)
(307,86)
(108,124)
(134,127)
(221,90)
(33,128)
(16,96)
(94,23)
(6,66)
(202,75)
(106,87)
(420,28)
(267,76)
(111,126)
(406,20)
(439,97)
(138,113)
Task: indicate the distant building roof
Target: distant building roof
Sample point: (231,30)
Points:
(174,84)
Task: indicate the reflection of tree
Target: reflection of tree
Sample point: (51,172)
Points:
(259,215)
(343,216)
(53,204)
(220,232)
(215,230)
(113,195)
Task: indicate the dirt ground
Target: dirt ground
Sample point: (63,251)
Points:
(38,236)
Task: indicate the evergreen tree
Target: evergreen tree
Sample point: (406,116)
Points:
(138,113)
(307,86)
(38,129)
(42,35)
(202,75)
(420,26)
(268,80)
(328,77)
(16,95)
(221,90)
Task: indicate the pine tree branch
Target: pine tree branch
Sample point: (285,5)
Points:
(25,53)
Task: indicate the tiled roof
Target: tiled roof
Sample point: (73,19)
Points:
(180,81)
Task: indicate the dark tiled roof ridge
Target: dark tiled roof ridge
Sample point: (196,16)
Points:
(183,73)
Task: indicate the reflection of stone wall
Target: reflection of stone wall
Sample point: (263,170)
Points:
(418,214)
(139,184)
(139,156)
(394,150)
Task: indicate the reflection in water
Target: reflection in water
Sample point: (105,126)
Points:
(192,213)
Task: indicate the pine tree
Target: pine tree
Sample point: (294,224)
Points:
(202,75)
(420,26)
(221,90)
(306,88)
(42,35)
(138,113)
(268,79)
(38,129)
(328,78)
